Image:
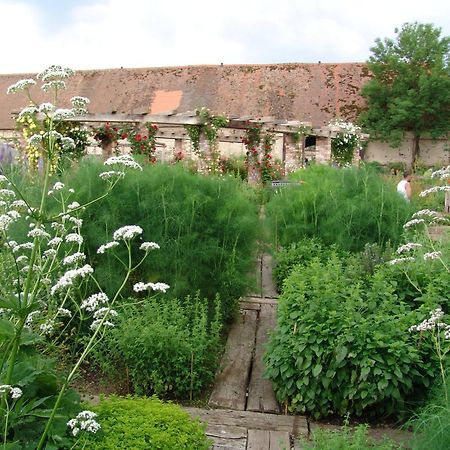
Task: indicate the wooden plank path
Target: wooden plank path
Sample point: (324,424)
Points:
(246,430)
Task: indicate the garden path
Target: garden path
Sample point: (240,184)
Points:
(243,413)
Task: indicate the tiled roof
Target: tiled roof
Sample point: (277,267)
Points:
(306,92)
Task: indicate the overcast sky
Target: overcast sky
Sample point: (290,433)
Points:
(94,34)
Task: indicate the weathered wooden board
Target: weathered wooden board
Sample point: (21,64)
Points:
(279,440)
(227,437)
(260,300)
(268,286)
(249,305)
(230,387)
(258,272)
(258,440)
(261,396)
(295,425)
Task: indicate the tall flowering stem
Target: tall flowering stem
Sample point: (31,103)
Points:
(46,272)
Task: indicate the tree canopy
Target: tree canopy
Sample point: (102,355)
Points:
(410,86)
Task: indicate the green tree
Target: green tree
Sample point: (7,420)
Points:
(410,86)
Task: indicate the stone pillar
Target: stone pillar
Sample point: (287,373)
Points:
(107,149)
(178,149)
(323,149)
(291,153)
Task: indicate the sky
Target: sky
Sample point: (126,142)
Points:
(101,34)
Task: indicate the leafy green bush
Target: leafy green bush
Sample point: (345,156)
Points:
(342,344)
(348,207)
(168,346)
(23,420)
(301,252)
(206,228)
(143,424)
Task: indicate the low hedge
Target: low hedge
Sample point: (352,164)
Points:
(144,423)
(168,347)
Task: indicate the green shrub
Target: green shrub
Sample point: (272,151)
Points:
(145,423)
(342,345)
(347,439)
(206,228)
(348,207)
(301,252)
(169,347)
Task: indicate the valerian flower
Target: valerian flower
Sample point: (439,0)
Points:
(147,246)
(400,261)
(14,392)
(107,246)
(84,421)
(127,232)
(69,277)
(140,287)
(20,86)
(92,303)
(432,255)
(123,160)
(413,222)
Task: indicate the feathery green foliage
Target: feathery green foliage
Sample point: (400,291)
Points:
(348,207)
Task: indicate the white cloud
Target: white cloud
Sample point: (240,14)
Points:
(142,33)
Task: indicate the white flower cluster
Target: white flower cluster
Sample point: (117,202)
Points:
(38,233)
(14,392)
(140,287)
(92,303)
(79,102)
(127,232)
(111,174)
(147,246)
(67,143)
(408,247)
(74,259)
(74,237)
(64,312)
(63,114)
(5,222)
(6,193)
(35,140)
(425,213)
(48,327)
(84,421)
(70,276)
(55,72)
(432,323)
(434,189)
(55,241)
(443,173)
(107,246)
(53,85)
(393,262)
(123,160)
(73,205)
(413,222)
(21,85)
(46,107)
(27,111)
(432,255)
(100,318)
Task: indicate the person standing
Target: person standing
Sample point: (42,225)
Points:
(404,186)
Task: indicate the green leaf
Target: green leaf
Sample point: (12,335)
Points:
(317,369)
(6,328)
(341,354)
(364,372)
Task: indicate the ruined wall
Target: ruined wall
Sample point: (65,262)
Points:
(432,152)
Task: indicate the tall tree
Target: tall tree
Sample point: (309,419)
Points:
(410,86)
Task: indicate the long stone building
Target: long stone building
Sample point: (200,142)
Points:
(315,93)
